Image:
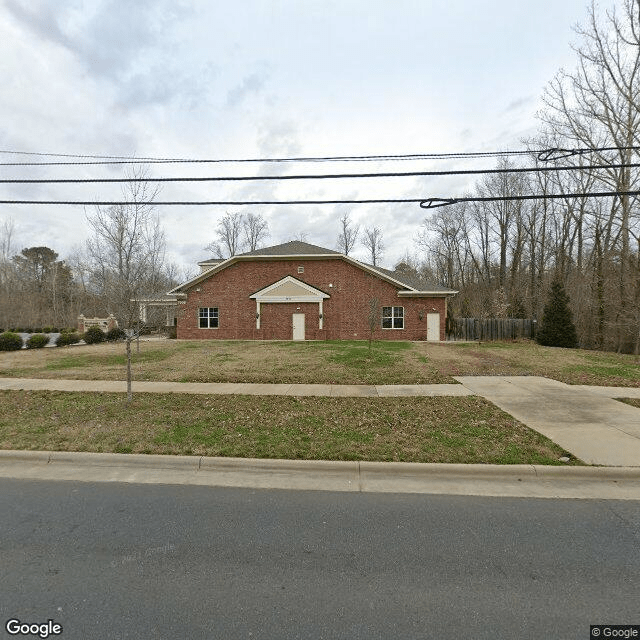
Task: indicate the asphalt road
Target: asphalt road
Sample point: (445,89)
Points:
(187,562)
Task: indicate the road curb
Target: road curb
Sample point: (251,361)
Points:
(382,477)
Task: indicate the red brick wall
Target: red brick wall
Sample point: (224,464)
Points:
(345,313)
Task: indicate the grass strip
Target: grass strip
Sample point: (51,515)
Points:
(438,429)
(634,402)
(330,362)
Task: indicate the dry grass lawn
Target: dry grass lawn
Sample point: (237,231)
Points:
(462,430)
(323,362)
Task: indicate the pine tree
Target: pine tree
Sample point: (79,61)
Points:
(557,328)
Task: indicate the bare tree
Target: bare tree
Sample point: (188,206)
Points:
(229,234)
(126,251)
(372,241)
(8,279)
(444,238)
(256,229)
(348,234)
(374,315)
(7,232)
(598,105)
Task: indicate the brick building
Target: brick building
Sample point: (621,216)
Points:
(298,291)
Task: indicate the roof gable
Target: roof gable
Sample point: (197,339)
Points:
(289,289)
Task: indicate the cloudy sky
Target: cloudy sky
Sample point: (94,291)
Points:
(265,79)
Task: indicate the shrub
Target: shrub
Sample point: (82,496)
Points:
(557,328)
(47,329)
(37,341)
(36,330)
(10,341)
(66,338)
(115,334)
(94,335)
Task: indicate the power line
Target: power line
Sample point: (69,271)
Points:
(425,203)
(558,153)
(434,203)
(98,159)
(379,174)
(189,203)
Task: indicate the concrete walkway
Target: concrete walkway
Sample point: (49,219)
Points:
(583,420)
(223,388)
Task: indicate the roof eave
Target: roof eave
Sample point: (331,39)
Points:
(425,294)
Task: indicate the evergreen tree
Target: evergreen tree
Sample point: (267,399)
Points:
(557,328)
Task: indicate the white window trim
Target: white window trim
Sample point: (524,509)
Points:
(209,318)
(393,317)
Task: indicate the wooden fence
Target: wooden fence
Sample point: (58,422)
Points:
(491,329)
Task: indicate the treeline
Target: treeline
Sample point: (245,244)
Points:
(122,261)
(502,255)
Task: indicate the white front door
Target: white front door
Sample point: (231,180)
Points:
(433,327)
(298,326)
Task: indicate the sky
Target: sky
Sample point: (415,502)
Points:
(208,79)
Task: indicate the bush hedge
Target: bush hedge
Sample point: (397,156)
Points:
(10,341)
(115,334)
(94,335)
(66,338)
(37,341)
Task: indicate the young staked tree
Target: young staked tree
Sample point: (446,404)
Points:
(126,251)
(557,328)
(348,235)
(374,315)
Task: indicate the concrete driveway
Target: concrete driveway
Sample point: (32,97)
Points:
(585,422)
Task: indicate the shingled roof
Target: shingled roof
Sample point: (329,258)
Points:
(297,248)
(411,280)
(292,248)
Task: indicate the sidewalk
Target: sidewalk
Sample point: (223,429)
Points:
(222,388)
(583,420)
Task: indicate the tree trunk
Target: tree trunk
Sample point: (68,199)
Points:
(129,393)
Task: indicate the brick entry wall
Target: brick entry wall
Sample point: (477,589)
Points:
(345,313)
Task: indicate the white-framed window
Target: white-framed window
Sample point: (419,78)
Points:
(393,317)
(208,317)
(300,269)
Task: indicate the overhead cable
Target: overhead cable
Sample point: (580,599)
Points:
(103,160)
(329,176)
(425,203)
(434,203)
(558,153)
